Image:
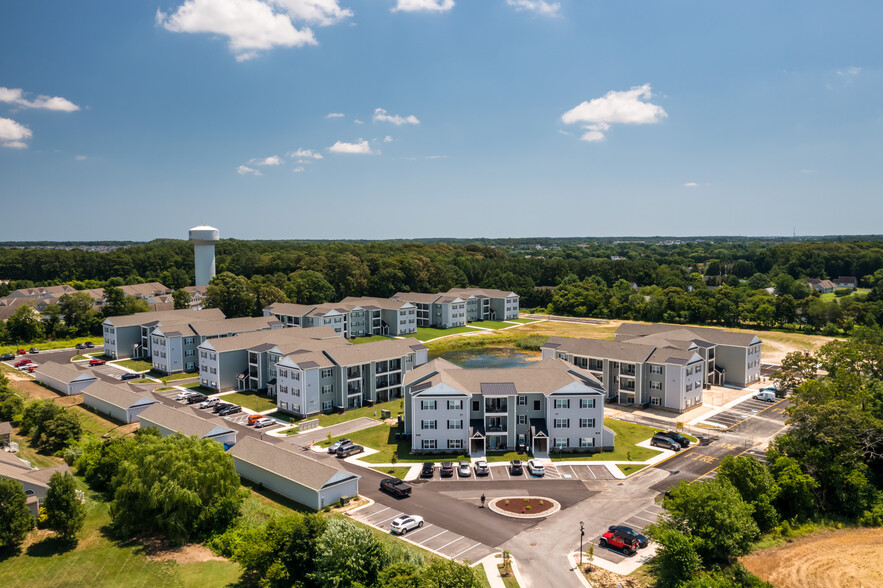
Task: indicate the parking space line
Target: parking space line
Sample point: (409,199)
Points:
(592,472)
(386,520)
(644,519)
(423,528)
(433,537)
(454,541)
(465,550)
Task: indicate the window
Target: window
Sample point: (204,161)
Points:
(327,389)
(522,400)
(655,369)
(476,406)
(457,424)
(522,439)
(326,405)
(587,442)
(656,385)
(587,403)
(654,402)
(188,340)
(562,403)
(560,442)
(699,369)
(428,425)
(587,423)
(536,405)
(455,404)
(522,419)
(295,375)
(455,444)
(562,423)
(428,404)
(326,373)
(283,405)
(428,444)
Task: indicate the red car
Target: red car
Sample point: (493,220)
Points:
(97,362)
(21,351)
(22,362)
(627,544)
(31,368)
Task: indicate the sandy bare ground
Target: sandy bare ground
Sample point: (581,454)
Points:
(850,558)
(193,552)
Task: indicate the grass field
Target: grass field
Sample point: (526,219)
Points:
(370,339)
(625,446)
(190,386)
(399,473)
(523,321)
(134,364)
(630,469)
(250,400)
(491,324)
(509,580)
(427,333)
(382,438)
(326,420)
(55,344)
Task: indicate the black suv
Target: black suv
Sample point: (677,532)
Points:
(642,540)
(675,436)
(447,469)
(660,440)
(515,467)
(131,376)
(428,470)
(196,398)
(395,487)
(89,345)
(7,356)
(348,450)
(231,409)
(221,406)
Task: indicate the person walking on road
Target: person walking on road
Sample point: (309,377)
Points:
(482,500)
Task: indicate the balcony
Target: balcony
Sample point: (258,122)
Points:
(627,370)
(496,406)
(627,387)
(353,373)
(353,388)
(495,425)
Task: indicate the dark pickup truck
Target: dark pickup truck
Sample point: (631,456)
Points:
(395,487)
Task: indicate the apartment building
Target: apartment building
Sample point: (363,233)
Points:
(547,406)
(636,373)
(349,376)
(174,343)
(487,304)
(441,311)
(351,317)
(129,335)
(731,358)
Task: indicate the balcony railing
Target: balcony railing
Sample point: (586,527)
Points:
(495,407)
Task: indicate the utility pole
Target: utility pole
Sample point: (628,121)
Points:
(582,533)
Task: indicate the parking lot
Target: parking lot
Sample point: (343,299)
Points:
(740,412)
(430,536)
(638,522)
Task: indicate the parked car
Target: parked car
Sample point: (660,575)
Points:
(184,394)
(130,376)
(665,442)
(93,362)
(620,541)
(81,345)
(198,397)
(338,444)
(481,468)
(22,362)
(641,539)
(221,406)
(395,487)
(675,436)
(7,356)
(33,350)
(348,450)
(89,345)
(30,368)
(403,524)
(446,470)
(209,402)
(428,469)
(766,395)
(231,409)
(515,467)
(21,351)
(535,468)
(465,469)
(264,422)
(253,418)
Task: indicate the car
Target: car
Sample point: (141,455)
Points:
(641,539)
(428,469)
(209,402)
(21,351)
(627,544)
(33,350)
(30,368)
(185,394)
(93,362)
(253,418)
(766,395)
(403,524)
(465,469)
(446,470)
(395,487)
(131,376)
(7,356)
(348,450)
(22,362)
(220,406)
(81,346)
(481,468)
(264,422)
(194,398)
(675,436)
(515,467)
(338,444)
(231,409)
(535,468)
(89,345)
(665,442)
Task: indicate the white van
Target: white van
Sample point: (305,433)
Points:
(766,395)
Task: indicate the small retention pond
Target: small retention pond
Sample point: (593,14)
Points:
(489,357)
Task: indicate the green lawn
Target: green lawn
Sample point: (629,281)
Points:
(399,473)
(630,469)
(382,438)
(506,457)
(179,376)
(427,333)
(625,447)
(523,321)
(370,339)
(80,357)
(509,580)
(144,381)
(47,345)
(393,406)
(134,364)
(191,386)
(251,400)
(490,324)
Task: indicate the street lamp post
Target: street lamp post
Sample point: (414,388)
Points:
(582,533)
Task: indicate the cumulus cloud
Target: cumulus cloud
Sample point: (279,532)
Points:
(298,170)
(304,154)
(334,115)
(16,96)
(691,185)
(359,122)
(423,5)
(318,12)
(80,157)
(244,170)
(271,160)
(250,25)
(850,73)
(388,139)
(13,134)
(537,6)
(360,147)
(627,107)
(381,116)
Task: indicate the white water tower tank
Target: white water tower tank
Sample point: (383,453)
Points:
(204,238)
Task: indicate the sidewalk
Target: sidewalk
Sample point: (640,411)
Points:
(493,573)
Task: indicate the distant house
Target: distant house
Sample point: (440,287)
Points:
(35,482)
(170,420)
(821,286)
(5,434)
(64,378)
(117,401)
(846,282)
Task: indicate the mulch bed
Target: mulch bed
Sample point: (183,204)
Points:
(529,505)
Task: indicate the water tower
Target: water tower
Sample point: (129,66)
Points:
(204,238)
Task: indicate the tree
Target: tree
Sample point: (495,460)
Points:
(64,511)
(447,573)
(676,560)
(181,298)
(308,287)
(347,554)
(399,575)
(115,303)
(16,520)
(178,486)
(230,293)
(24,325)
(75,308)
(796,368)
(283,549)
(796,497)
(755,484)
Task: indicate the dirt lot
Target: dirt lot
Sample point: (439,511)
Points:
(847,558)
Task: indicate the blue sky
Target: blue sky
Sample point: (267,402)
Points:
(458,118)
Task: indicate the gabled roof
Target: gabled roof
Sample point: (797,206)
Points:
(289,309)
(185,422)
(596,348)
(5,428)
(144,318)
(64,373)
(632,331)
(116,395)
(290,464)
(373,351)
(479,292)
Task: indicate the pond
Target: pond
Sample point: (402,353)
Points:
(489,357)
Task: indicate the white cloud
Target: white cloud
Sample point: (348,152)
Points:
(80,157)
(380,115)
(13,134)
(334,115)
(627,107)
(691,185)
(250,25)
(361,147)
(318,12)
(271,160)
(17,96)
(298,170)
(304,154)
(388,139)
(850,73)
(358,122)
(243,170)
(423,5)
(538,6)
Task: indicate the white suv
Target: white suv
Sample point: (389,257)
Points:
(185,395)
(403,524)
(535,468)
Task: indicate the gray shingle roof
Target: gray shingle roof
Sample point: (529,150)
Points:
(631,331)
(616,350)
(116,395)
(143,318)
(183,421)
(64,373)
(285,462)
